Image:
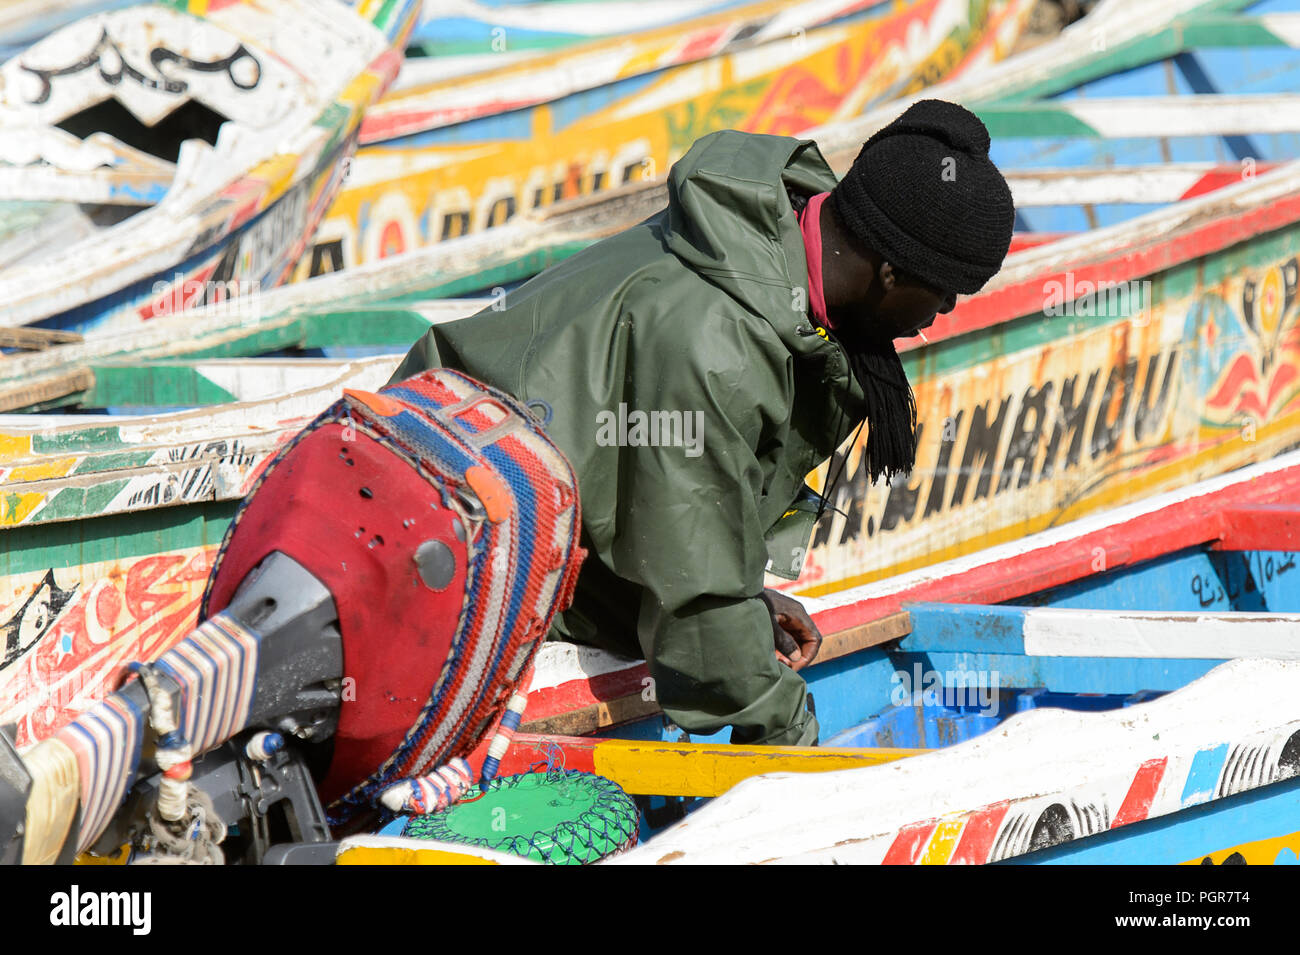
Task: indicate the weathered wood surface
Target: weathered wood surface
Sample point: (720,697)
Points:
(239,212)
(589,118)
(681,769)
(1046,779)
(578,690)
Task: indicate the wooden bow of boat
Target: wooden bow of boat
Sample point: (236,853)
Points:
(113,229)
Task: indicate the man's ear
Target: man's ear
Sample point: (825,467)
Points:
(888,277)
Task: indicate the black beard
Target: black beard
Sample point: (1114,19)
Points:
(890,447)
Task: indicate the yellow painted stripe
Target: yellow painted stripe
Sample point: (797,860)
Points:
(701,769)
(15,446)
(118,856)
(46,469)
(1260,852)
(16,508)
(943,842)
(359,92)
(393,855)
(278,174)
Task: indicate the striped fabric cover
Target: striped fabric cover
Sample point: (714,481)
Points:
(107,741)
(485,458)
(524,567)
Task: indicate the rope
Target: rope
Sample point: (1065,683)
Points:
(184,827)
(609,824)
(432,793)
(193,843)
(173,751)
(504,737)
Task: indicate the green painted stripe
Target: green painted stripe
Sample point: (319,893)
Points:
(385,15)
(71,503)
(113,462)
(37,548)
(336,118)
(1221,31)
(1041,120)
(105,438)
(513,270)
(377,325)
(1110,60)
(954,355)
(153,385)
(534,43)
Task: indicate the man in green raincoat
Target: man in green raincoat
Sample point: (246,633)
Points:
(696,367)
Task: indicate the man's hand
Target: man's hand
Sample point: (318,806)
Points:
(796,637)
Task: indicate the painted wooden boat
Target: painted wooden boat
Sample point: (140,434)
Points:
(23,22)
(1121,689)
(118,517)
(460,154)
(468,36)
(121,513)
(114,208)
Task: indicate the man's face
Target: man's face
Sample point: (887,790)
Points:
(906,308)
(909,307)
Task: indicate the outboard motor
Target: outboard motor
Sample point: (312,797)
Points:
(372,608)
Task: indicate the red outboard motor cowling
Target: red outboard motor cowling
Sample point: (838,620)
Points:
(445,524)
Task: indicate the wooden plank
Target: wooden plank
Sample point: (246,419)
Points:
(1260,527)
(35,339)
(49,388)
(683,769)
(1132,533)
(1068,632)
(1138,116)
(1152,184)
(872,633)
(572,704)
(1228,733)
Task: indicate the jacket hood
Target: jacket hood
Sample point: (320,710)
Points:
(730,220)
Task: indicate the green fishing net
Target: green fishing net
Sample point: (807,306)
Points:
(564,818)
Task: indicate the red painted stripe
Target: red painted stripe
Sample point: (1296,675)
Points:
(1137,804)
(1028,240)
(386,66)
(1144,537)
(578,693)
(702,43)
(1220,177)
(528,750)
(380,127)
(1028,297)
(909,843)
(977,835)
(1261,527)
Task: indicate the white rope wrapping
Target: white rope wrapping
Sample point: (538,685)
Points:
(196,844)
(173,792)
(432,793)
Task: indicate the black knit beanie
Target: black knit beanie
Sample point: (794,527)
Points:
(925,195)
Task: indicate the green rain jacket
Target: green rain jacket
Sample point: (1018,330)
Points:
(701,309)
